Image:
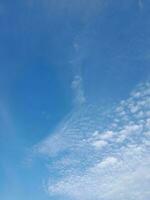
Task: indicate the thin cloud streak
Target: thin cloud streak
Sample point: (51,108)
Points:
(77,87)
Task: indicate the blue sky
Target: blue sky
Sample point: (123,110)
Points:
(74,100)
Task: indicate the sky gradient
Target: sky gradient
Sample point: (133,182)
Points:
(75,99)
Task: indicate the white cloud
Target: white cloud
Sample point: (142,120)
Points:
(99,144)
(102,156)
(110,179)
(107,135)
(79,97)
(108,162)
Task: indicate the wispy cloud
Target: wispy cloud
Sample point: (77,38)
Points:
(140,3)
(6,118)
(102,154)
(77,87)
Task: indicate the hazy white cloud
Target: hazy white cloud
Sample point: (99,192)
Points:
(141,4)
(100,154)
(77,86)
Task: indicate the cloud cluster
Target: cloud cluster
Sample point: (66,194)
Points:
(102,155)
